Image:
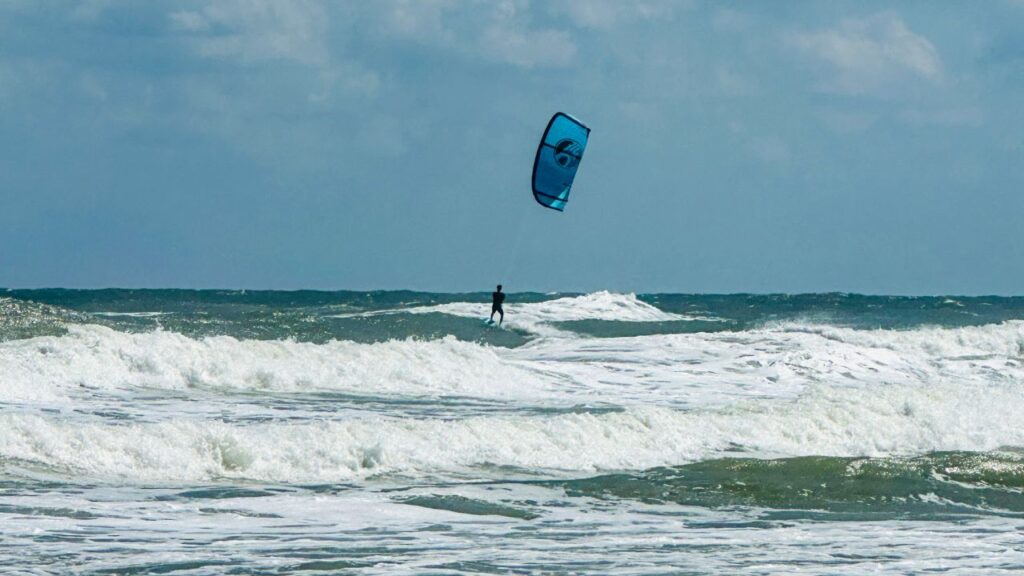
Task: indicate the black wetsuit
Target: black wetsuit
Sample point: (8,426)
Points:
(496,300)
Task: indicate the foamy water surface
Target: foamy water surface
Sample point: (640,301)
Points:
(211,433)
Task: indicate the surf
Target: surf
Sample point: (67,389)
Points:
(881,420)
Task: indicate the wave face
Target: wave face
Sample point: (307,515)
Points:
(745,416)
(100,358)
(895,420)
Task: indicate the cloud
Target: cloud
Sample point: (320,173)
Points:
(869,55)
(504,31)
(511,37)
(257,30)
(528,48)
(421,19)
(610,14)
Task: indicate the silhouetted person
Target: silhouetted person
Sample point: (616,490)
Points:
(496,299)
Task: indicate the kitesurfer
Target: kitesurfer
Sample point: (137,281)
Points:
(497,298)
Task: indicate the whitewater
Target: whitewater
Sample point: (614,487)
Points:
(213,432)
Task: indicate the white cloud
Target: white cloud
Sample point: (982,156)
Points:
(296,31)
(421,19)
(258,30)
(510,37)
(502,31)
(528,48)
(609,14)
(868,55)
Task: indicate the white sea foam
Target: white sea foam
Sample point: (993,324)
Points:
(873,421)
(601,305)
(183,413)
(537,317)
(154,530)
(678,370)
(708,369)
(97,357)
(1005,339)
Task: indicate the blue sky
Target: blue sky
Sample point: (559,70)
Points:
(737,146)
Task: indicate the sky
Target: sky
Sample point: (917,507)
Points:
(862,146)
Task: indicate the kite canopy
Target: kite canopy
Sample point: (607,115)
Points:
(558,157)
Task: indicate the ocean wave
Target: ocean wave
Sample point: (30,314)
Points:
(537,317)
(904,487)
(708,369)
(96,357)
(21,319)
(679,370)
(873,421)
(1005,339)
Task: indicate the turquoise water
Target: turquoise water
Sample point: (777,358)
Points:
(241,432)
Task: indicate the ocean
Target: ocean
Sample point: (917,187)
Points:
(262,432)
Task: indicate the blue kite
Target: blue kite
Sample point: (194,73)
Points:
(558,157)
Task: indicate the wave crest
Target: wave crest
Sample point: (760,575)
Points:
(101,358)
(536,317)
(874,421)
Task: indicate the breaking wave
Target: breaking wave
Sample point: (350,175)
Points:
(538,317)
(873,421)
(96,357)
